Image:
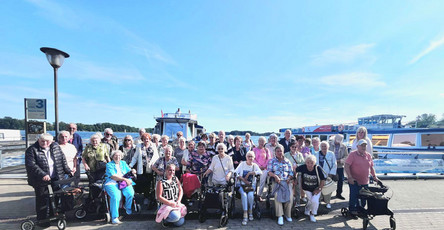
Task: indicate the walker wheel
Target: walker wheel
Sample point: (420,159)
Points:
(137,208)
(80,213)
(107,217)
(61,224)
(202,217)
(28,225)
(392,223)
(223,221)
(365,223)
(344,211)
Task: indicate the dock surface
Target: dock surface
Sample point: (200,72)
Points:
(417,204)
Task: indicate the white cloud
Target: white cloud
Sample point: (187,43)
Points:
(342,54)
(432,46)
(364,80)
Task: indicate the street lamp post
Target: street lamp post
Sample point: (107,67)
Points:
(55,58)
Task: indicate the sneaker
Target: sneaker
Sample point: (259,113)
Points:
(288,219)
(304,200)
(250,217)
(281,220)
(129,212)
(116,221)
(340,197)
(312,218)
(328,206)
(307,212)
(244,222)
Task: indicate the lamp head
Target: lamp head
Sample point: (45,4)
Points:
(55,57)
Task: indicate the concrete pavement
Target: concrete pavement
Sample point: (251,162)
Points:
(417,204)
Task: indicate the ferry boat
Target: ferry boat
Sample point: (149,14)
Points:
(171,123)
(387,134)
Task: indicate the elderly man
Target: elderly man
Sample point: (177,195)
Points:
(358,166)
(110,139)
(286,141)
(341,154)
(175,143)
(45,163)
(272,143)
(76,140)
(69,150)
(139,139)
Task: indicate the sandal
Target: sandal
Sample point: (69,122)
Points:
(250,217)
(244,221)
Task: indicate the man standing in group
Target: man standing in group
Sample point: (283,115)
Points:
(110,139)
(45,163)
(76,140)
(358,166)
(286,141)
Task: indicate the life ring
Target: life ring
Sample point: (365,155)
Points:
(341,127)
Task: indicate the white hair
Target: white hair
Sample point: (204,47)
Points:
(46,137)
(311,158)
(61,133)
(108,130)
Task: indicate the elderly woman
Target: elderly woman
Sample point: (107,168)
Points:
(161,164)
(199,160)
(116,173)
(262,157)
(146,155)
(296,160)
(327,160)
(164,142)
(361,134)
(246,172)
(280,169)
(156,140)
(230,145)
(341,153)
(169,193)
(68,150)
(221,166)
(239,152)
(271,145)
(95,156)
(186,154)
(248,143)
(315,146)
(128,148)
(313,180)
(211,146)
(179,153)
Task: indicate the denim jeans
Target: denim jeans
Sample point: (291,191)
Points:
(354,192)
(175,218)
(247,199)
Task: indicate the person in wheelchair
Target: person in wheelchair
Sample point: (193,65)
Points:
(221,166)
(169,192)
(246,171)
(117,182)
(281,171)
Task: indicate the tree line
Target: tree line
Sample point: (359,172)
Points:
(12,123)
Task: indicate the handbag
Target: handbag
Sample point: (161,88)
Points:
(248,188)
(122,184)
(329,185)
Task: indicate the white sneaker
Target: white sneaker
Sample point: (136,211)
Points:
(312,218)
(116,221)
(289,219)
(281,220)
(328,206)
(307,212)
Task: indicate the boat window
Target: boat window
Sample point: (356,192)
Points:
(432,139)
(404,140)
(172,128)
(323,137)
(380,140)
(352,137)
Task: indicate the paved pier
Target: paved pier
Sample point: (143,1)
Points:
(417,204)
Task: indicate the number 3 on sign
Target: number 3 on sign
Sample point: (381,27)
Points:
(39,104)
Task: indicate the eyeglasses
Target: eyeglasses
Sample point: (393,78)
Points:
(128,140)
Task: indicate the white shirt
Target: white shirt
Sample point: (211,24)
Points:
(50,161)
(70,152)
(219,173)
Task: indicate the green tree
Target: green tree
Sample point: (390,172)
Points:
(425,120)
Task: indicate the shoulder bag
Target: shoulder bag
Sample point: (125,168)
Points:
(329,185)
(333,177)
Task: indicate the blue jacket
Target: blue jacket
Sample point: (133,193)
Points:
(111,170)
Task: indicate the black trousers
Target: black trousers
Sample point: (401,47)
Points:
(340,172)
(43,206)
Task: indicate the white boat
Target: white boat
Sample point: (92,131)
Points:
(388,136)
(170,123)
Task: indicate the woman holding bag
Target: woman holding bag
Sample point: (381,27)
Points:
(327,160)
(246,171)
(169,193)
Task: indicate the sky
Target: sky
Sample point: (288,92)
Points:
(238,65)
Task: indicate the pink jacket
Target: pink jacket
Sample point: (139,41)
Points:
(164,212)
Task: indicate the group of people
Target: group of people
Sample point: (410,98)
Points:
(296,167)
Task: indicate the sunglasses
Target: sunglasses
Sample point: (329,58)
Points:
(107,134)
(127,140)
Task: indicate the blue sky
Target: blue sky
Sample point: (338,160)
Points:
(238,65)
